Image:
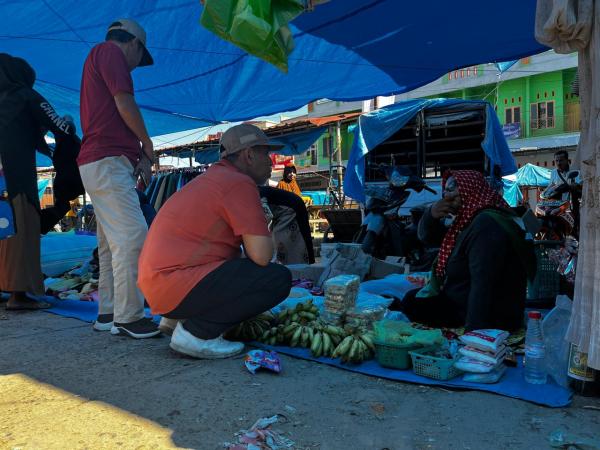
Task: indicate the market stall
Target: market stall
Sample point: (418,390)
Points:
(198,80)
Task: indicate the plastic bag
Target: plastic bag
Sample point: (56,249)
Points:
(394,332)
(346,259)
(369,308)
(554,328)
(486,340)
(258,27)
(467,364)
(7,225)
(486,357)
(488,378)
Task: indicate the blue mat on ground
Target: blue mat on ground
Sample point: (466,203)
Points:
(77,309)
(511,385)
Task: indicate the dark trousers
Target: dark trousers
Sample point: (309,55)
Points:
(276,196)
(236,291)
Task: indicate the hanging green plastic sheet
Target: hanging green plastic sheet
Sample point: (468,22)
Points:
(259,27)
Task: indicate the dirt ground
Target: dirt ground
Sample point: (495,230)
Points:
(64,386)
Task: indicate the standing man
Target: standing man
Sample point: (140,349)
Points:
(562,174)
(115,144)
(191,267)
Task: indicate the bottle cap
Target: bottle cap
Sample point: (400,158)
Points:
(534,315)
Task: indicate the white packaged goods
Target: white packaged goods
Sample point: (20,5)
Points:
(482,356)
(486,340)
(467,364)
(487,378)
(341,292)
(340,296)
(364,316)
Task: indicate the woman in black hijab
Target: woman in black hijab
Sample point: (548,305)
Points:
(25,116)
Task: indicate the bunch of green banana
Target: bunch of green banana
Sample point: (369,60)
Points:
(251,329)
(324,338)
(302,313)
(355,348)
(299,335)
(274,335)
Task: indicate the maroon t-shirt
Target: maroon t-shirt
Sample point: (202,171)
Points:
(105,74)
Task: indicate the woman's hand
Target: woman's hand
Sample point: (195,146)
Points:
(449,204)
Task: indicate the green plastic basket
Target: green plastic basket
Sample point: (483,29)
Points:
(432,367)
(546,283)
(394,356)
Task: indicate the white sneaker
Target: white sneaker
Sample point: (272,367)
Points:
(184,342)
(167,326)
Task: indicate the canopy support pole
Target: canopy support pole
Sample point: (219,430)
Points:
(338,145)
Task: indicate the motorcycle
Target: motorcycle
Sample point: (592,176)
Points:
(556,215)
(383,233)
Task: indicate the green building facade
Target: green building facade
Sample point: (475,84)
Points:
(536,105)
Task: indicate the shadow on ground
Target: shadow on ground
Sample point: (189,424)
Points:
(118,392)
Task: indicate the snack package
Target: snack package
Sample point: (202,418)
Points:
(486,340)
(255,359)
(488,378)
(340,295)
(482,356)
(364,316)
(471,365)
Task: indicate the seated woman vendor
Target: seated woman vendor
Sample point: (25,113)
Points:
(479,279)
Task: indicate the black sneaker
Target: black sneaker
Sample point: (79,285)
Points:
(104,322)
(140,329)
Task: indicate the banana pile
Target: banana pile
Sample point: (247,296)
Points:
(355,348)
(301,327)
(252,329)
(302,313)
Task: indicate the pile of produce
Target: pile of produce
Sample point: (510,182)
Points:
(251,329)
(302,327)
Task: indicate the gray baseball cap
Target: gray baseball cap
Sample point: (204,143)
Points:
(136,30)
(244,136)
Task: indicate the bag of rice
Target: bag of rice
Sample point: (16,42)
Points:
(487,378)
(486,340)
(467,364)
(482,356)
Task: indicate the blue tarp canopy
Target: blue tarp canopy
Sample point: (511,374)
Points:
(375,127)
(42,185)
(512,194)
(531,175)
(42,160)
(319,198)
(294,144)
(345,50)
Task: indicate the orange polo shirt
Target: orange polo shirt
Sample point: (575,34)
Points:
(197,230)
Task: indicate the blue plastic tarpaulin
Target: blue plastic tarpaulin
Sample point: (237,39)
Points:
(42,185)
(512,194)
(531,175)
(344,50)
(298,143)
(42,160)
(294,144)
(377,126)
(319,198)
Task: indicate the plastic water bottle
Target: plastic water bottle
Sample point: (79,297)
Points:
(535,350)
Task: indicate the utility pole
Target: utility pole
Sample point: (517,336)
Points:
(338,145)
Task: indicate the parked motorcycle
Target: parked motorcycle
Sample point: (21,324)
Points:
(556,214)
(383,233)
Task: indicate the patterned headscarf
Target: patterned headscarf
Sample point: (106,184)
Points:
(476,194)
